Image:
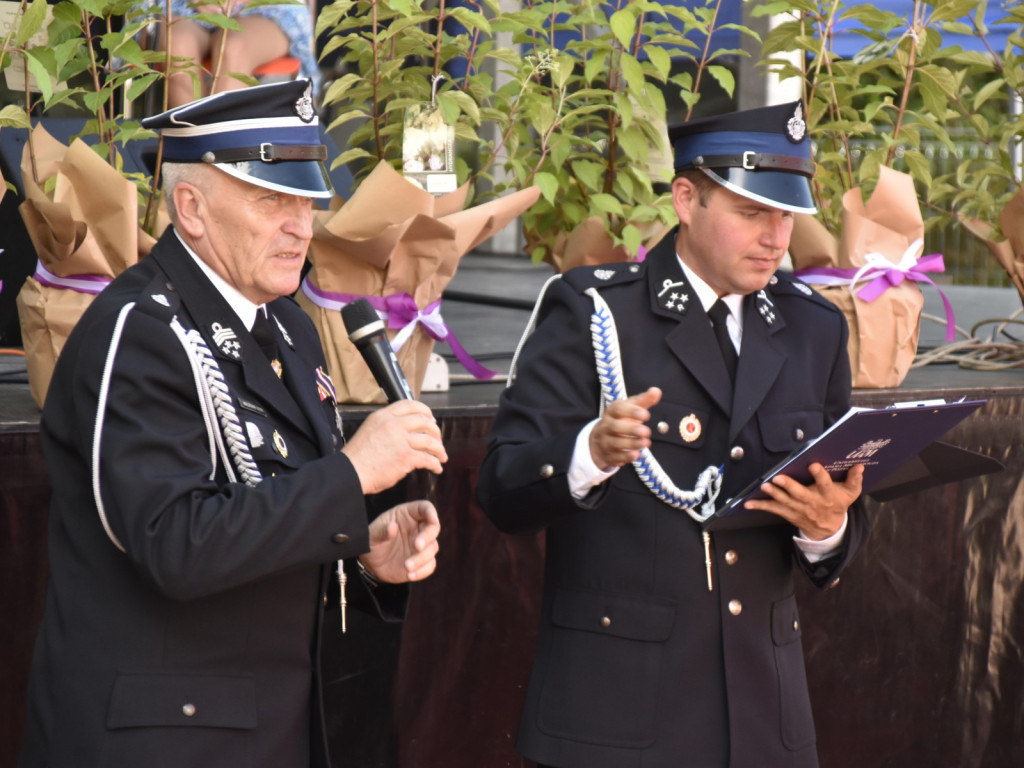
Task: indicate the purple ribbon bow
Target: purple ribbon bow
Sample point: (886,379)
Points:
(399,312)
(883,274)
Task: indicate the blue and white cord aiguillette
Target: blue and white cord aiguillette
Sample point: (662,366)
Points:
(605,339)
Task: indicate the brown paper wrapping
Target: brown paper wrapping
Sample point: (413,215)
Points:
(884,332)
(1009,252)
(87,225)
(393,238)
(589,244)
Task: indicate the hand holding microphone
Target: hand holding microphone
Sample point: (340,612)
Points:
(402,437)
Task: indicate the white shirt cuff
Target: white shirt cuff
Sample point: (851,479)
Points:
(815,550)
(583,473)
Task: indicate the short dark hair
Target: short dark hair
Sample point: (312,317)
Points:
(704,184)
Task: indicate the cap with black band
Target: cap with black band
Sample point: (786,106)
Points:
(267,135)
(762,154)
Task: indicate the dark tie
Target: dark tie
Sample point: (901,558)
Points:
(264,335)
(719,313)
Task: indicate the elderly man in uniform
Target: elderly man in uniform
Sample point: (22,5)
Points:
(634,406)
(202,491)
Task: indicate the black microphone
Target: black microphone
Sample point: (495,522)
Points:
(366,331)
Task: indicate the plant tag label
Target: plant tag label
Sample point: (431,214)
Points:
(428,155)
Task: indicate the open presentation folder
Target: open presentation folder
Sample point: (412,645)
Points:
(898,442)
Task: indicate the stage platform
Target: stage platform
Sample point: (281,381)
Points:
(913,659)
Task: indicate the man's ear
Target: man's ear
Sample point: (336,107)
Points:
(190,207)
(685,198)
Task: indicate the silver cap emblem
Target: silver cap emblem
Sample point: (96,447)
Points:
(304,106)
(796,128)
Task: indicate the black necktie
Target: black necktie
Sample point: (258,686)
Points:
(264,335)
(719,313)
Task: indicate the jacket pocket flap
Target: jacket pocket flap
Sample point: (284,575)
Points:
(785,432)
(785,622)
(678,424)
(212,701)
(630,617)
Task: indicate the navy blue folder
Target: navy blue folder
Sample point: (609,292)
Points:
(883,440)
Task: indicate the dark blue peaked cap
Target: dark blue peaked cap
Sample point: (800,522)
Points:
(762,154)
(267,135)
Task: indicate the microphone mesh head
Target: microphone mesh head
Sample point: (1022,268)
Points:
(360,319)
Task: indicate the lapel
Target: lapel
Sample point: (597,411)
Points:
(693,343)
(239,356)
(300,380)
(761,360)
(692,339)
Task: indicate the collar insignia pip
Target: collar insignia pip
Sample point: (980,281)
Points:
(677,296)
(765,308)
(284,333)
(226,341)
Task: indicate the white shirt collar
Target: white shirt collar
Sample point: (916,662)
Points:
(244,308)
(709,296)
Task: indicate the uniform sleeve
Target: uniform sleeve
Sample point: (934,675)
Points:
(825,571)
(191,534)
(523,484)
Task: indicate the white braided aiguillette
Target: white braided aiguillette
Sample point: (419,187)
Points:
(605,339)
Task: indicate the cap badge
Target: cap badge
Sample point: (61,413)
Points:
(255,436)
(279,445)
(766,308)
(226,341)
(304,106)
(689,428)
(604,274)
(796,128)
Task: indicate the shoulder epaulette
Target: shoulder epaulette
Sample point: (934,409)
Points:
(788,284)
(158,300)
(613,273)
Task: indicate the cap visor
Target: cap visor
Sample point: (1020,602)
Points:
(779,189)
(305,178)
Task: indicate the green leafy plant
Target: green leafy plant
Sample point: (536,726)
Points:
(905,98)
(568,96)
(91,64)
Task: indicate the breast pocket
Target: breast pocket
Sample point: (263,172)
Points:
(168,719)
(603,668)
(270,447)
(678,424)
(782,433)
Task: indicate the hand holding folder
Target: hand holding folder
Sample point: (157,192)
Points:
(897,446)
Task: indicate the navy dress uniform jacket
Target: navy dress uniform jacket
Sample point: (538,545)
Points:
(637,662)
(196,645)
